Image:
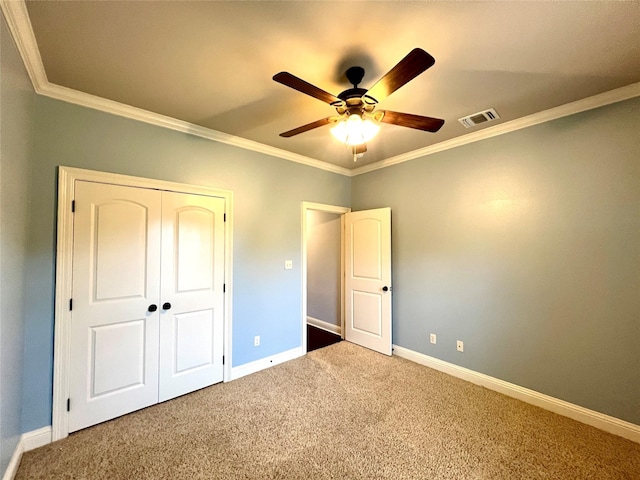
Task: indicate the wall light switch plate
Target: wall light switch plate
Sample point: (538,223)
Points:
(288,264)
(256,341)
(432,338)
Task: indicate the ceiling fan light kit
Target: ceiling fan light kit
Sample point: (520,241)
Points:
(356,129)
(357,123)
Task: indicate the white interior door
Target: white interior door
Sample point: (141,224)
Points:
(191,318)
(368,279)
(116,276)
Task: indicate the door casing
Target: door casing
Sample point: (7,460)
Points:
(342,211)
(67,176)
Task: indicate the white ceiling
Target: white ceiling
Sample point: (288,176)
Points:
(210,63)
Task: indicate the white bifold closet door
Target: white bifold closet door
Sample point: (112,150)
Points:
(147,311)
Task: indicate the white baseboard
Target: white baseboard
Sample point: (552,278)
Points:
(329,327)
(36,438)
(14,463)
(256,366)
(28,441)
(599,420)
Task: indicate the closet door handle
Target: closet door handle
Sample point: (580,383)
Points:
(153,307)
(166,306)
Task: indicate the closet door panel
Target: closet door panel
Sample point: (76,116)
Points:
(116,273)
(191,320)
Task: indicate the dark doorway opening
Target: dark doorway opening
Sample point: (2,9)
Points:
(319,338)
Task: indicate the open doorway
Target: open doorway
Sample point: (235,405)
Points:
(323,273)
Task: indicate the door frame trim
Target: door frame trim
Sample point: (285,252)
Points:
(67,176)
(321,207)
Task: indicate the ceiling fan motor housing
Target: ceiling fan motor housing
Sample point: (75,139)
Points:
(352,97)
(355,75)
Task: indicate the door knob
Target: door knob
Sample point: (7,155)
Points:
(385,289)
(153,307)
(166,306)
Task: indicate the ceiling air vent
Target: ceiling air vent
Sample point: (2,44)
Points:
(478,118)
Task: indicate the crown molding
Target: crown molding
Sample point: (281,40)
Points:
(70,95)
(15,11)
(589,103)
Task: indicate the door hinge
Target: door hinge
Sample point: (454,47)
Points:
(223,359)
(224,217)
(68,404)
(71,304)
(224,287)
(73,206)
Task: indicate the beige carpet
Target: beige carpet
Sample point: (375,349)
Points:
(341,412)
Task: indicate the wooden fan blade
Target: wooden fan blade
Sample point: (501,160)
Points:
(307,127)
(418,122)
(285,78)
(416,62)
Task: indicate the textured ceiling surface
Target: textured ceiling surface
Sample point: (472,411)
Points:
(211,63)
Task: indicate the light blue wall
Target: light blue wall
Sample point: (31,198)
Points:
(525,246)
(16,100)
(268,193)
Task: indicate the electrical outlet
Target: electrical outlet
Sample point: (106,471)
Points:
(460,346)
(288,264)
(256,341)
(432,338)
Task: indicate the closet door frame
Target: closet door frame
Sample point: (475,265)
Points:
(67,176)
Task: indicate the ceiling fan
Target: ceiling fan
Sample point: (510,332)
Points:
(357,120)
